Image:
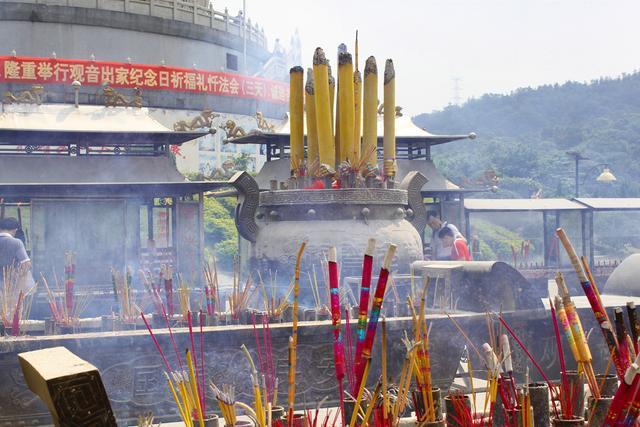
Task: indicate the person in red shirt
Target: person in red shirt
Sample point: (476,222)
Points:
(458,247)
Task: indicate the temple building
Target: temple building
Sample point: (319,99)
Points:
(99,182)
(176,58)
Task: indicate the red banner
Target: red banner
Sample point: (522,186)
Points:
(26,70)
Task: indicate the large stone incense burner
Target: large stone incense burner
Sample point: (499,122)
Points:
(345,218)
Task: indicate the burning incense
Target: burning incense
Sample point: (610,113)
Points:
(367,267)
(259,410)
(565,401)
(357,94)
(326,151)
(312,129)
(389,139)
(370,112)
(346,107)
(375,314)
(567,313)
(226,402)
(167,274)
(338,344)
(240,297)
(293,341)
(128,308)
(296,111)
(596,306)
(69,272)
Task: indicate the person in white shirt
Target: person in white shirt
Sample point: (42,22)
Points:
(438,251)
(12,250)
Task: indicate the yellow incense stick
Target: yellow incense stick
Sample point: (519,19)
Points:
(296,111)
(175,397)
(194,389)
(354,417)
(372,403)
(370,112)
(324,109)
(385,400)
(294,337)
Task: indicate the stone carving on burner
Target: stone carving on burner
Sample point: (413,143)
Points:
(113,98)
(381,109)
(232,130)
(35,95)
(204,120)
(136,100)
(413,183)
(263,124)
(248,200)
(375,196)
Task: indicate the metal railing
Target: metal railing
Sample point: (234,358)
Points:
(184,11)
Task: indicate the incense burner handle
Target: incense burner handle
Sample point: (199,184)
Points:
(413,183)
(248,199)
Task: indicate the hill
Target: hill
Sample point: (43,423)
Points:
(524,137)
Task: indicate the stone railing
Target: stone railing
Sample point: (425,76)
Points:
(195,11)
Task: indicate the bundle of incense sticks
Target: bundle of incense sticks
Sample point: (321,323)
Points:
(240,296)
(15,299)
(501,382)
(362,368)
(574,333)
(319,305)
(259,405)
(273,305)
(57,303)
(69,278)
(187,387)
(618,351)
(166,273)
(211,288)
(341,127)
(129,308)
(151,290)
(365,286)
(226,402)
(422,367)
(184,298)
(267,368)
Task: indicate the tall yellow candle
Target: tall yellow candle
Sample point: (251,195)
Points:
(335,111)
(346,106)
(326,153)
(296,113)
(357,124)
(389,139)
(332,100)
(312,131)
(370,112)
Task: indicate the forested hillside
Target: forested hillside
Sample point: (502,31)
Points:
(524,137)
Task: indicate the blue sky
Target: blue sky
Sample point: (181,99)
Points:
(493,46)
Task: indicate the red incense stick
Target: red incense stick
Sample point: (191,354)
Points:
(155,341)
(375,313)
(552,389)
(338,344)
(202,368)
(365,288)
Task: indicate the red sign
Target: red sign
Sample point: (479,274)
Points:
(25,70)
